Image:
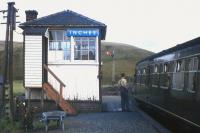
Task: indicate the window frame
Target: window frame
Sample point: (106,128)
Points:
(56,52)
(165,68)
(178,65)
(156,68)
(90,50)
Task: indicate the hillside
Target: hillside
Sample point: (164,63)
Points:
(17,60)
(126,57)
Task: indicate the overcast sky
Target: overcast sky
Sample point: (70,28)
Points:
(149,24)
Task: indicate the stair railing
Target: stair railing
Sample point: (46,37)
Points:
(52,74)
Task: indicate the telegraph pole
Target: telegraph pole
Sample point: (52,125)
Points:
(8,102)
(113,66)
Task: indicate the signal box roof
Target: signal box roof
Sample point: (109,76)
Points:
(64,19)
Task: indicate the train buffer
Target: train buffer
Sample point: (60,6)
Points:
(56,116)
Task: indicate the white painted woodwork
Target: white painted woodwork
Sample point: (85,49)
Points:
(33,61)
(81,81)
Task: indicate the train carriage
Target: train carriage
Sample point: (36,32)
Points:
(170,81)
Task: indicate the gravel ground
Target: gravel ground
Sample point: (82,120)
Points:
(115,122)
(110,122)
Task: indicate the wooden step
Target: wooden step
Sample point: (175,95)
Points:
(54,95)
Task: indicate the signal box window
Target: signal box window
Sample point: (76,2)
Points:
(59,45)
(85,48)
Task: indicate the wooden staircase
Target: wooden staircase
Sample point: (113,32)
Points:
(54,95)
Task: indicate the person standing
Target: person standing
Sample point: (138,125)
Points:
(122,83)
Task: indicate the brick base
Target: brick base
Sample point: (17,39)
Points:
(87,106)
(80,106)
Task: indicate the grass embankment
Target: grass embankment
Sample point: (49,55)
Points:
(126,56)
(17,60)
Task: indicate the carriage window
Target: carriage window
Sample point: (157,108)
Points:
(178,66)
(144,71)
(155,69)
(183,65)
(152,69)
(172,66)
(138,71)
(165,68)
(161,68)
(193,64)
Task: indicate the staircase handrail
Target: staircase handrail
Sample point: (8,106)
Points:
(54,75)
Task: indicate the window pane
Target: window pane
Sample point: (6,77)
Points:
(84,45)
(92,55)
(85,48)
(156,69)
(84,54)
(66,50)
(77,46)
(172,66)
(56,35)
(59,35)
(53,45)
(92,45)
(59,46)
(191,64)
(92,48)
(161,68)
(165,68)
(77,55)
(92,38)
(52,35)
(67,39)
(84,38)
(144,71)
(178,66)
(196,61)
(77,38)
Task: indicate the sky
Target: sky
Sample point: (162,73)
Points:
(153,25)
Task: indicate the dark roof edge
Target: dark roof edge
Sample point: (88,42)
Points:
(101,28)
(22,26)
(100,23)
(35,20)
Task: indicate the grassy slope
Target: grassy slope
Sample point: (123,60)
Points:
(17,60)
(126,57)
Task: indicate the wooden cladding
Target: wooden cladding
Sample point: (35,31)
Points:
(33,61)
